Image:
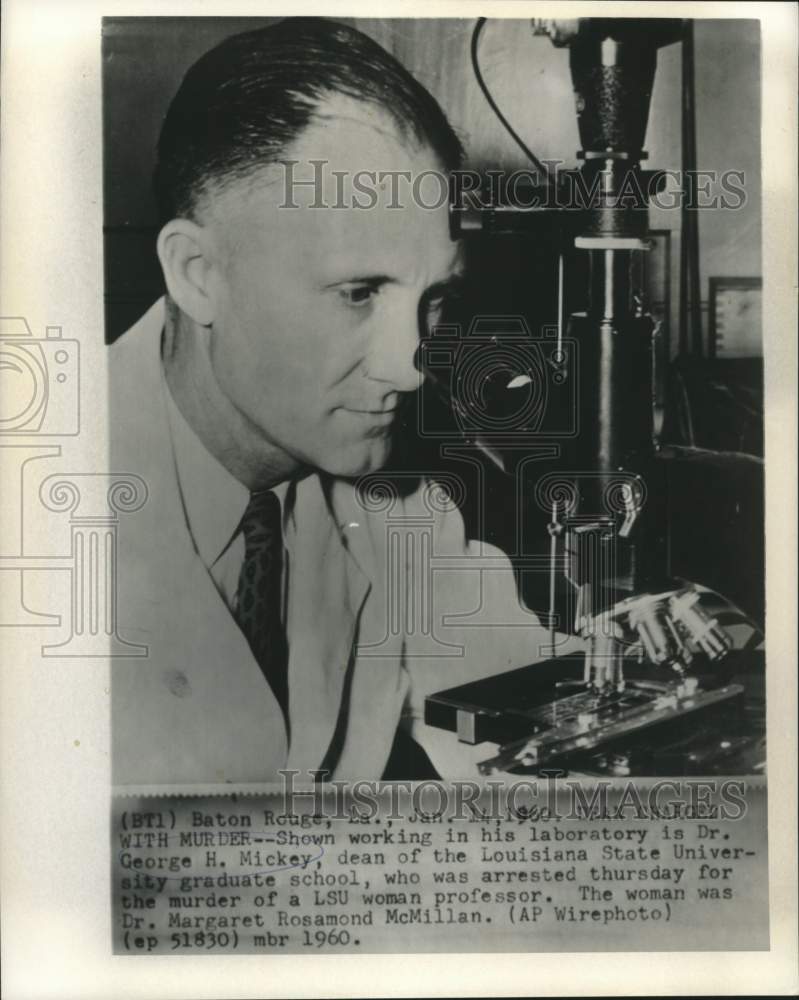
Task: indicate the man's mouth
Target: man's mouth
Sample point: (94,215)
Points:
(372,413)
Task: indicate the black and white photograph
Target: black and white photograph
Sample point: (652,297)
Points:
(452,446)
(397,463)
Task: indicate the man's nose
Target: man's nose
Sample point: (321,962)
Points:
(394,347)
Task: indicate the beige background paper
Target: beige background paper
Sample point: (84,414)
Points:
(54,805)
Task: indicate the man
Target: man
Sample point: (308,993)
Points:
(260,574)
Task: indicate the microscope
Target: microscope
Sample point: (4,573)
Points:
(649,671)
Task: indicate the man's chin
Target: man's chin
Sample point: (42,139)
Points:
(351,463)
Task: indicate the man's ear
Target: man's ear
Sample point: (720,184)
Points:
(184,251)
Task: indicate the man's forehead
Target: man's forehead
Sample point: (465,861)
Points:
(351,188)
(349,144)
(349,129)
(339,120)
(406,244)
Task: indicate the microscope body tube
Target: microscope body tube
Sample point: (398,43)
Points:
(613,69)
(615,352)
(616,429)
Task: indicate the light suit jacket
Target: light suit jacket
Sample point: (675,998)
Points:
(387,602)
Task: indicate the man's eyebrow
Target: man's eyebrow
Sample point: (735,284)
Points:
(452,280)
(364,279)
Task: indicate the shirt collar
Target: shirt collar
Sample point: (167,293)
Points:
(213,499)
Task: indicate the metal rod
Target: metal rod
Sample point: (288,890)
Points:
(560,305)
(553,556)
(690,293)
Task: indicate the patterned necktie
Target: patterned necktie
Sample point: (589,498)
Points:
(260,591)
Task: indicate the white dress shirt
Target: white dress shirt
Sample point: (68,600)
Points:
(214,502)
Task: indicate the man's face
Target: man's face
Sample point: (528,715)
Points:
(317,315)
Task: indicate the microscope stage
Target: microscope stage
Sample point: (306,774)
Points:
(542,716)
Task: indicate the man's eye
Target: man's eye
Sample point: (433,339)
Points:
(358,295)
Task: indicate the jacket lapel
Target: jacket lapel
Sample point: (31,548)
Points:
(327,592)
(376,683)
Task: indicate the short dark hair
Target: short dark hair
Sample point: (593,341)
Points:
(245,100)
